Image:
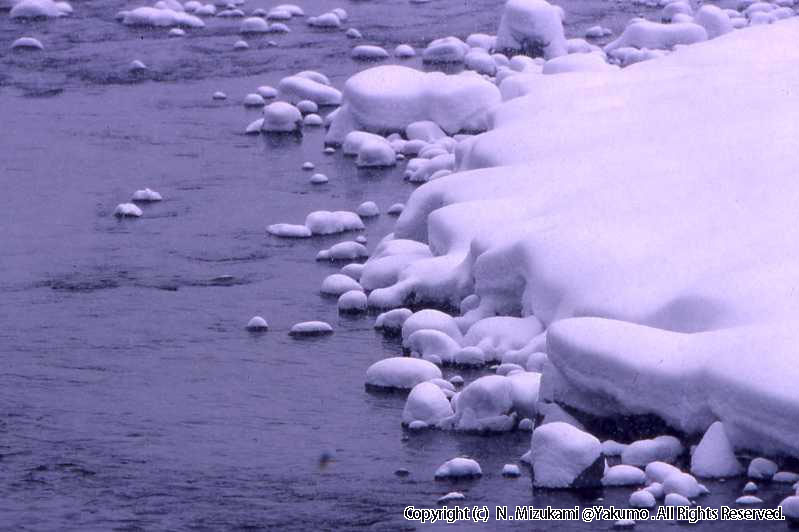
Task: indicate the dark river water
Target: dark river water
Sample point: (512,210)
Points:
(131,397)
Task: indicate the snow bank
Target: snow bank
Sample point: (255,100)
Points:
(690,338)
(401,372)
(565,457)
(533,27)
(388,98)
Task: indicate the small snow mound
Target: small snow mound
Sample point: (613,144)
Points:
(32,9)
(675,499)
(313,120)
(310,328)
(127,210)
(257,323)
(27,43)
(613,448)
(750,487)
(353,33)
(597,32)
(565,457)
(289,230)
(392,320)
(642,452)
(254,100)
(368,209)
(146,195)
(445,50)
(747,500)
(431,319)
(683,484)
(137,66)
(451,496)
(318,179)
(401,373)
(367,52)
(301,87)
(396,209)
(785,477)
(533,27)
(218,95)
(511,471)
(459,468)
(151,16)
(790,507)
(404,51)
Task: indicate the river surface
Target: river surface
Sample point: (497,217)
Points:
(131,397)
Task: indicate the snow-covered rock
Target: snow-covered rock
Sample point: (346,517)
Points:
(33,9)
(682,484)
(404,51)
(257,323)
(310,328)
(401,372)
(388,98)
(281,117)
(431,319)
(642,499)
(790,508)
(348,250)
(254,100)
(659,471)
(613,448)
(318,179)
(623,475)
(533,27)
(368,209)
(761,469)
(675,499)
(328,223)
(445,50)
(352,301)
(146,195)
(565,457)
(497,335)
(392,321)
(289,230)
(746,500)
(458,468)
(642,452)
(714,19)
(485,405)
(367,52)
(451,496)
(429,343)
(582,62)
(150,16)
(337,284)
(511,471)
(427,403)
(714,457)
(27,43)
(326,20)
(597,32)
(297,88)
(127,210)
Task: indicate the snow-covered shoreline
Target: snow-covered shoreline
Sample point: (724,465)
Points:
(657,200)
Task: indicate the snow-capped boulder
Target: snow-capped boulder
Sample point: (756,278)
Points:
(431,319)
(353,301)
(127,210)
(297,88)
(281,117)
(368,209)
(404,51)
(683,484)
(257,323)
(27,43)
(326,21)
(254,100)
(445,50)
(390,97)
(310,328)
(642,452)
(32,9)
(642,499)
(458,468)
(658,471)
(511,471)
(391,322)
(714,19)
(375,153)
(289,230)
(582,62)
(790,508)
(714,457)
(485,405)
(498,334)
(427,403)
(533,27)
(401,373)
(623,475)
(761,469)
(565,457)
(337,284)
(146,195)
(367,52)
(328,223)
(150,16)
(429,343)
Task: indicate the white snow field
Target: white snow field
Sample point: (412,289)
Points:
(646,217)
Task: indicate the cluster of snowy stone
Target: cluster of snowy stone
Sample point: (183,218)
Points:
(131,209)
(168,13)
(301,96)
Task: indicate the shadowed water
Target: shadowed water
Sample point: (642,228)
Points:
(131,397)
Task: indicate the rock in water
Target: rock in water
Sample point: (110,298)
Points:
(459,468)
(401,373)
(566,457)
(311,328)
(257,323)
(127,210)
(714,457)
(427,403)
(761,469)
(511,471)
(27,43)
(146,195)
